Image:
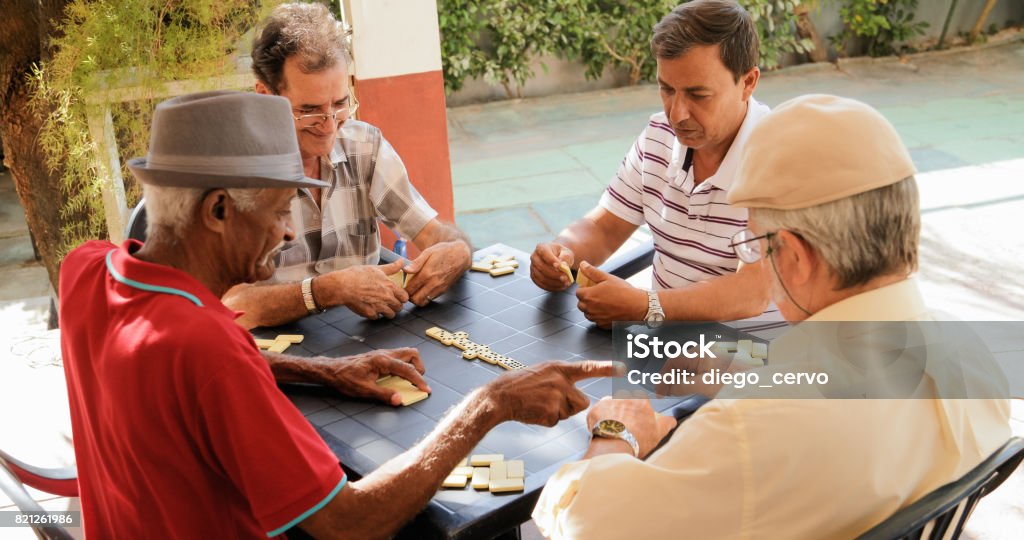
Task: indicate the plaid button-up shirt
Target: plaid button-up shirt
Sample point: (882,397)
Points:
(368,182)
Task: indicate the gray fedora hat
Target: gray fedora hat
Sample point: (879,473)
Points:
(223,139)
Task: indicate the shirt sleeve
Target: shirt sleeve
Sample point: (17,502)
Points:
(398,204)
(624,195)
(263,444)
(695,486)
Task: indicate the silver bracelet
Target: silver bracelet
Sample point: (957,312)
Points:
(307,297)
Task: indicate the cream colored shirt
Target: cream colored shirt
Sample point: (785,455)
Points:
(782,468)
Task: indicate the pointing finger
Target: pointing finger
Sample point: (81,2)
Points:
(587,369)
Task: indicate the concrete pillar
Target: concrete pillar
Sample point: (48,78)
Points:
(397,49)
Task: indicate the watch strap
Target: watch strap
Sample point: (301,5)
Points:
(631,441)
(653,305)
(307,297)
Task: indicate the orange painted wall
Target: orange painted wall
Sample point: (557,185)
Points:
(410,111)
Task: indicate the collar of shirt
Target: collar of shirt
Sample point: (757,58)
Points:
(900,301)
(159,279)
(337,154)
(723,177)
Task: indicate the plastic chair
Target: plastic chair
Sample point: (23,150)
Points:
(943,513)
(15,475)
(136,227)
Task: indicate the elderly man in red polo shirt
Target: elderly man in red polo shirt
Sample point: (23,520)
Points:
(178,425)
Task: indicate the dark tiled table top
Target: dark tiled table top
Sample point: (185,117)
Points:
(510,314)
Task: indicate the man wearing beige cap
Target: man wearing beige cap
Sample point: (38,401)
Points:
(838,223)
(674,180)
(179,428)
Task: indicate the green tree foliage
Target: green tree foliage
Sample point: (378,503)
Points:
(498,39)
(106,44)
(617,33)
(776,26)
(885,25)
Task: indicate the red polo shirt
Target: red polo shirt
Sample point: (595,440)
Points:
(180,430)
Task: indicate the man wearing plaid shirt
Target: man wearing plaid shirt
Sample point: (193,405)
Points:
(301,54)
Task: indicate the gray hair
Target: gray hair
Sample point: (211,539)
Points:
(307,31)
(170,210)
(868,235)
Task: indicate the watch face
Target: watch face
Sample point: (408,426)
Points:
(655,320)
(610,426)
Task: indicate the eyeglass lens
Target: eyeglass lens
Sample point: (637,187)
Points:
(747,246)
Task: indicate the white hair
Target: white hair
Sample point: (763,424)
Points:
(170,210)
(862,237)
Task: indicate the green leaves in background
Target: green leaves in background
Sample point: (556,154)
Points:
(496,40)
(884,25)
(142,44)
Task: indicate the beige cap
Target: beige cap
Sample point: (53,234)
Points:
(815,149)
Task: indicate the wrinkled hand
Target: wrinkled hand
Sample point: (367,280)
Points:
(357,375)
(546,393)
(610,299)
(647,426)
(436,269)
(546,266)
(367,291)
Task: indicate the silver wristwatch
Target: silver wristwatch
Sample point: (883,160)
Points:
(655,315)
(613,429)
(307,297)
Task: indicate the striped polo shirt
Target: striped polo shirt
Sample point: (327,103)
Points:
(692,225)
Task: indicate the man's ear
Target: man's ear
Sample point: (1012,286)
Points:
(214,209)
(262,88)
(749,81)
(797,256)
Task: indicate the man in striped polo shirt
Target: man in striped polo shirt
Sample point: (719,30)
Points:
(675,179)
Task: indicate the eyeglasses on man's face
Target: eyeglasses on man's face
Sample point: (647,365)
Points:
(338,115)
(747,245)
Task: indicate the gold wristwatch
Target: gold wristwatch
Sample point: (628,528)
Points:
(613,429)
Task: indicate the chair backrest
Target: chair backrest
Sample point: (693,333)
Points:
(61,481)
(942,513)
(136,228)
(11,486)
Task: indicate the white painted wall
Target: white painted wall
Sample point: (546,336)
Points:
(394,37)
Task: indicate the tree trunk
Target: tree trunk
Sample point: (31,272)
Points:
(978,26)
(25,29)
(805,29)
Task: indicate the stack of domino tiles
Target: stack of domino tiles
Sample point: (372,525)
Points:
(490,472)
(496,265)
(473,351)
(280,343)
